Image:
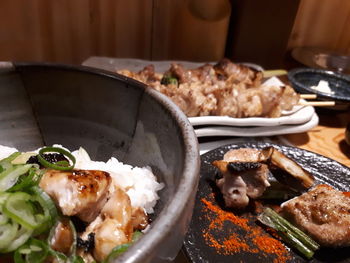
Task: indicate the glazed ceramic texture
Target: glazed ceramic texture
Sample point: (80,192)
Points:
(108,115)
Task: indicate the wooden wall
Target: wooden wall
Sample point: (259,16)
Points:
(70,31)
(323,24)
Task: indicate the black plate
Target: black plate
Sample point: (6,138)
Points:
(198,250)
(302,79)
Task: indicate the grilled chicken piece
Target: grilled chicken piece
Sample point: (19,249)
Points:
(323,213)
(79,192)
(225,69)
(241,181)
(62,239)
(139,218)
(114,226)
(225,89)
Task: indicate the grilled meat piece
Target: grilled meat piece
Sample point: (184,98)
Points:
(240,73)
(243,155)
(225,89)
(323,213)
(62,239)
(78,192)
(113,226)
(241,181)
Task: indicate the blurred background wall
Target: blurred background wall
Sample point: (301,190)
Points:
(263,32)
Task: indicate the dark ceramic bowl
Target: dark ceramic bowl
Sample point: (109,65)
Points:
(302,79)
(109,115)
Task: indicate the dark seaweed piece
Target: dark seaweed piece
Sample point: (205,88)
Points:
(88,244)
(50,157)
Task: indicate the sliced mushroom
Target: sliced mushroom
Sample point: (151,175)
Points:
(283,167)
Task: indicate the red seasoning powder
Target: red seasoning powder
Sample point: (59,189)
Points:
(227,242)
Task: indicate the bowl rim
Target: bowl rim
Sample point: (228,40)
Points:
(189,181)
(294,72)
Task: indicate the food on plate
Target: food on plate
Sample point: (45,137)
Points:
(245,173)
(323,213)
(323,86)
(57,206)
(223,89)
(317,216)
(289,233)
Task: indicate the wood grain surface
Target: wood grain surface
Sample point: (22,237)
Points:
(323,24)
(328,138)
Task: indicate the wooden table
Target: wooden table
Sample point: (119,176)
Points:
(328,138)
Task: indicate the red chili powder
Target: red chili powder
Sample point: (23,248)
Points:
(227,242)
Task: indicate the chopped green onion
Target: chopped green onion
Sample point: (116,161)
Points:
(22,236)
(37,256)
(34,251)
(19,209)
(76,259)
(7,234)
(48,206)
(73,248)
(10,176)
(25,181)
(6,163)
(118,250)
(64,166)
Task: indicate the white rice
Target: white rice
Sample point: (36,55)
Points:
(139,183)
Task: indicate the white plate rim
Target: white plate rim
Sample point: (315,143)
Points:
(257,131)
(301,116)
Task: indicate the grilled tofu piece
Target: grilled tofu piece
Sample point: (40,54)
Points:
(323,213)
(82,193)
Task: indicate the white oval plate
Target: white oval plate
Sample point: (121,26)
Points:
(298,115)
(257,131)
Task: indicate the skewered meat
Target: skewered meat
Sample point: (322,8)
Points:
(78,192)
(323,213)
(225,89)
(239,73)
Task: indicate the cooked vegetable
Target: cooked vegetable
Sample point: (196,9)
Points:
(289,233)
(276,159)
(60,165)
(118,250)
(10,175)
(278,191)
(168,80)
(27,180)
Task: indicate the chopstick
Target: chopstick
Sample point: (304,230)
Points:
(274,72)
(317,103)
(308,96)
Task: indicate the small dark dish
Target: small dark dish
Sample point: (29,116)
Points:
(302,79)
(196,247)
